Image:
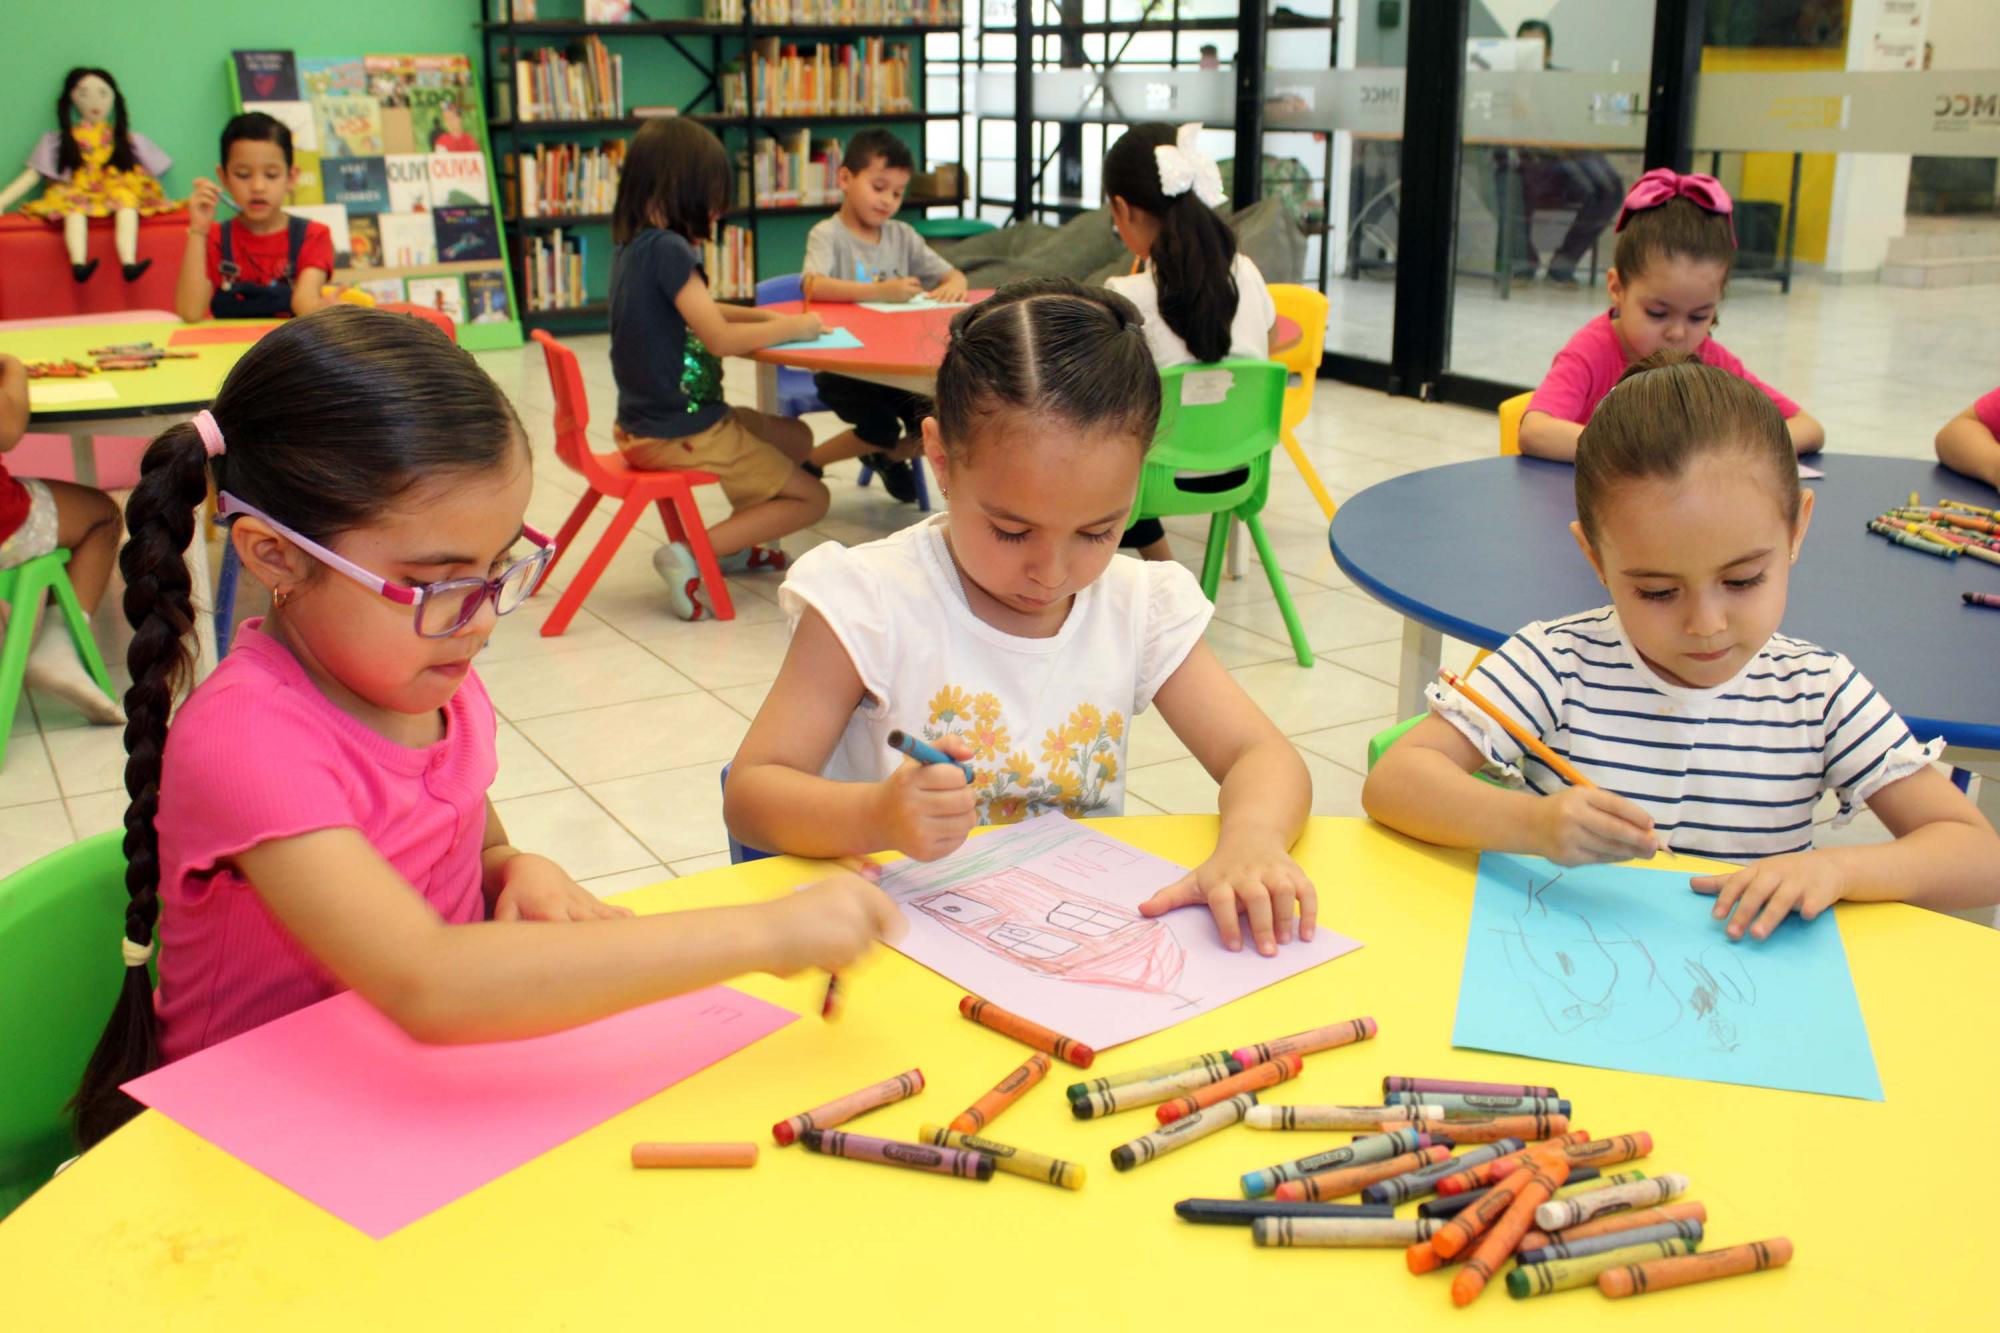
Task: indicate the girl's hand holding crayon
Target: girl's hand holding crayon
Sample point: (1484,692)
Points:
(926,810)
(537,889)
(828,925)
(1248,876)
(801,328)
(1581,825)
(1759,897)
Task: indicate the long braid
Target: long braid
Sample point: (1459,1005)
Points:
(159,605)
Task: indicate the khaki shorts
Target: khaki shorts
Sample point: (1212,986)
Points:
(751,469)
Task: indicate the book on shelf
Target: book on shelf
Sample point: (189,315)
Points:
(790,171)
(296,116)
(385,291)
(266,76)
(554,269)
(408,239)
(362,183)
(731,264)
(584,82)
(558,180)
(833,13)
(465,233)
(459,179)
(486,297)
(607,11)
(409,177)
(334,218)
(364,241)
(655,112)
(309,185)
(441,294)
(350,125)
(820,78)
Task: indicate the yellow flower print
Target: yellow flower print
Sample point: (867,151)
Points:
(1020,766)
(986,706)
(950,703)
(1006,810)
(1055,746)
(1114,726)
(1085,721)
(987,738)
(1107,764)
(1065,781)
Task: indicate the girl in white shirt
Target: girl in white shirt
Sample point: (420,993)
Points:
(1201,300)
(1004,632)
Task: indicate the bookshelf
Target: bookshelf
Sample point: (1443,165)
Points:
(685,62)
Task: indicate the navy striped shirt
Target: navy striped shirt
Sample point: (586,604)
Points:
(1731,772)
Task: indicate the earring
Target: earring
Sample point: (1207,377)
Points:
(279,596)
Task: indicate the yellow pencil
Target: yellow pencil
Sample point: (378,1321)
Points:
(1531,742)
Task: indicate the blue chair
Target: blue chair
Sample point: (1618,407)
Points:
(738,853)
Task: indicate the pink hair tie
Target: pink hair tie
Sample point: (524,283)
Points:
(211,434)
(1662,185)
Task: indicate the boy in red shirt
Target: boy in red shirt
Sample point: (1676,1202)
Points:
(264,264)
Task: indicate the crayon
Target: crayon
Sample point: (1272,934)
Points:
(1218,1063)
(1662,1274)
(1531,1186)
(1986,553)
(1687,1229)
(1256,1077)
(1182,1132)
(1467,1105)
(1014,1161)
(1423,1257)
(1911,540)
(1127,1096)
(926,754)
(1610,1152)
(830,1007)
(1580,1179)
(1242,1212)
(1584,1207)
(1348,1180)
(1980,599)
(1540,1279)
(842,1109)
(1681,1210)
(1307,1043)
(1338,1117)
(1417,1184)
(1528,740)
(1340,1233)
(1394,1084)
(1965,508)
(1457,1235)
(694,1154)
(1004,1094)
(1491,1171)
(1531,1128)
(988,1015)
(1373,1148)
(805,293)
(888,1152)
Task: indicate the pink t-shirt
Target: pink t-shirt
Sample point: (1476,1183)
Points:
(1590,363)
(1987,409)
(256,754)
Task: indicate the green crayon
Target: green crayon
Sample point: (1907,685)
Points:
(1569,1274)
(1182,1132)
(1219,1063)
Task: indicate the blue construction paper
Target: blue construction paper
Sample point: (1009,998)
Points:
(826,342)
(1625,968)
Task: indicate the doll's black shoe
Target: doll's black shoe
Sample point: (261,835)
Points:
(82,272)
(132,271)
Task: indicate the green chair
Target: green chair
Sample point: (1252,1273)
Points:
(1379,743)
(1216,419)
(949,228)
(22,588)
(60,922)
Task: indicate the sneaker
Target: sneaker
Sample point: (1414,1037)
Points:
(899,478)
(674,563)
(1564,278)
(754,560)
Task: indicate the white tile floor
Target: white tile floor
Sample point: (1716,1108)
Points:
(613,735)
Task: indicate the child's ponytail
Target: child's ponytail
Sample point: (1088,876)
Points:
(1194,255)
(159,604)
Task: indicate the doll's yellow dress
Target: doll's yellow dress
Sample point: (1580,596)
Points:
(97,189)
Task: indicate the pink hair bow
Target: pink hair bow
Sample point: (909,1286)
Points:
(1662,184)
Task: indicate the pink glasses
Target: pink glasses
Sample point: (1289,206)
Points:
(440,609)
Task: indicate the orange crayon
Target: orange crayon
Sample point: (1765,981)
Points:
(1469,1224)
(843,1109)
(1481,1174)
(1004,1094)
(988,1015)
(1268,1074)
(1531,1187)
(1680,1210)
(694,1154)
(1665,1274)
(1609,1152)
(1353,1179)
(1493,1128)
(1423,1258)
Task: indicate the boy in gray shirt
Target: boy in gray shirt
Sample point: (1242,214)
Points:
(863,253)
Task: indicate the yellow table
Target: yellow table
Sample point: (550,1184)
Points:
(159,1230)
(178,386)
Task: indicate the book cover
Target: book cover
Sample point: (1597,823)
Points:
(439,294)
(459,178)
(607,11)
(445,120)
(466,233)
(266,76)
(386,291)
(332,76)
(295,116)
(364,240)
(390,78)
(350,126)
(407,239)
(398,134)
(362,183)
(486,297)
(409,176)
(310,188)
(334,218)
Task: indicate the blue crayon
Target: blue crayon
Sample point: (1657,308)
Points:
(1418,1184)
(1686,1228)
(926,754)
(1361,1152)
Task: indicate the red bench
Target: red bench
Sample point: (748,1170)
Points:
(35,281)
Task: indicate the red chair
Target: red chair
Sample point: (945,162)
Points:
(423,312)
(610,474)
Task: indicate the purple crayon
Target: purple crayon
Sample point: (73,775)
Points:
(1459,1085)
(888,1152)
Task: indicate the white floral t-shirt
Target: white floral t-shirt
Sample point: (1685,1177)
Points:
(1046,718)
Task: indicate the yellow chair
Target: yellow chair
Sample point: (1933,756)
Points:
(1511,413)
(1306,308)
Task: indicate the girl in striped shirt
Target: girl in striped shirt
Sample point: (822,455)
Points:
(1704,730)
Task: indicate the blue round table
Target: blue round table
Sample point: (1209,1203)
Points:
(1477,550)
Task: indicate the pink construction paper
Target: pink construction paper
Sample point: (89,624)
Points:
(335,1103)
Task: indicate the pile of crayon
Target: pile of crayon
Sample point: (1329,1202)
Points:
(135,356)
(1949,529)
(57,370)
(1530,1200)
